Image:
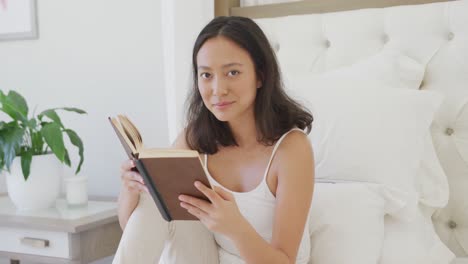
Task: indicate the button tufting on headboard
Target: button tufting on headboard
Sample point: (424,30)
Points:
(449,131)
(450,36)
(385,38)
(452,224)
(436,36)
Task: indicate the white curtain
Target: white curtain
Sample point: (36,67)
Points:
(181,22)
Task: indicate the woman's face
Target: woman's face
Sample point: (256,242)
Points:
(226,79)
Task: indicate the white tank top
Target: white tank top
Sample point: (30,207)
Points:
(258,207)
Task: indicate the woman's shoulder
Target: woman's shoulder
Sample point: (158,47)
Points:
(294,138)
(294,148)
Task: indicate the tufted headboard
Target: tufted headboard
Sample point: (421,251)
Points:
(434,34)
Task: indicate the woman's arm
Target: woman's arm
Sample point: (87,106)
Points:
(130,191)
(127,202)
(295,170)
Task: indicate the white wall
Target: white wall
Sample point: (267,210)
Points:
(104,57)
(107,58)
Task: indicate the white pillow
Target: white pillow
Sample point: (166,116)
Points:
(388,69)
(349,223)
(400,71)
(346,223)
(431,180)
(365,132)
(414,241)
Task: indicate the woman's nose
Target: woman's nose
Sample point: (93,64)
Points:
(219,87)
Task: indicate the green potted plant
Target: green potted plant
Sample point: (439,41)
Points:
(32,149)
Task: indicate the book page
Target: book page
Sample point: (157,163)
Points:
(132,132)
(123,137)
(167,152)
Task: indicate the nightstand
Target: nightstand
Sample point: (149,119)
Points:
(61,234)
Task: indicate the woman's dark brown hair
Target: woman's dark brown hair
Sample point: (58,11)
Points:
(275,112)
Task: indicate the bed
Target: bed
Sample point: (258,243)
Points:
(388,191)
(320,36)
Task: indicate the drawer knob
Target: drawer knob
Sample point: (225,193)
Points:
(35,242)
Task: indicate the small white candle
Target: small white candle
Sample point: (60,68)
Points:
(76,190)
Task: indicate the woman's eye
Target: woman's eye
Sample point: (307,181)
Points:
(233,73)
(205,75)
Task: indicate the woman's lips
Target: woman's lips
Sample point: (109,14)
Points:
(222,105)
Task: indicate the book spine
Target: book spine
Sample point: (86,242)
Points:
(153,190)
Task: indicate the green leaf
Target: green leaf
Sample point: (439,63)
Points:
(76,141)
(73,109)
(9,125)
(67,159)
(10,140)
(32,123)
(2,158)
(54,138)
(19,101)
(26,163)
(2,98)
(50,113)
(15,106)
(37,143)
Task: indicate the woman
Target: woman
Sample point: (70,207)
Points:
(251,137)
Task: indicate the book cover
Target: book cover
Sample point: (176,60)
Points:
(167,173)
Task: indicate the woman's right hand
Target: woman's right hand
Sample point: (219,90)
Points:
(131,180)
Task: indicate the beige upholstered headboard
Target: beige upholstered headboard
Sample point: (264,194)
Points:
(436,35)
(233,8)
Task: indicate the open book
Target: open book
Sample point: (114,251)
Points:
(166,172)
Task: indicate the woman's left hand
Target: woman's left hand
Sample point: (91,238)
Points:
(221,216)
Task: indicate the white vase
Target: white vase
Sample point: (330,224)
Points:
(76,190)
(41,189)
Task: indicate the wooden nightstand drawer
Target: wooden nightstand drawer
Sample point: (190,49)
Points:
(60,234)
(36,242)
